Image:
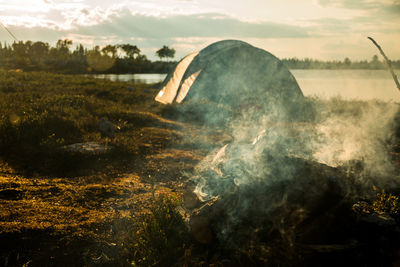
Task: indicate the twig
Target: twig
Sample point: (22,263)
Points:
(12,35)
(387,62)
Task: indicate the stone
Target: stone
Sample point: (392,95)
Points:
(88,148)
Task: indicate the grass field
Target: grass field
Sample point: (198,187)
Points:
(63,208)
(58,201)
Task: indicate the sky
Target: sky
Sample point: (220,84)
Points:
(319,29)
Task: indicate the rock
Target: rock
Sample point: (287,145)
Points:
(88,148)
(106,128)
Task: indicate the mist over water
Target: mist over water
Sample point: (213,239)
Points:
(348,84)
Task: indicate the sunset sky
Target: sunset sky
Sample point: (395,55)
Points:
(323,29)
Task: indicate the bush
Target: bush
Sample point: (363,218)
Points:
(383,202)
(162,237)
(386,202)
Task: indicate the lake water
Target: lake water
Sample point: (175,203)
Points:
(147,78)
(347,84)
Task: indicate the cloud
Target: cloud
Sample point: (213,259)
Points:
(371,17)
(365,25)
(184,32)
(390,11)
(83,16)
(199,25)
(350,4)
(189,32)
(91,40)
(384,7)
(46,13)
(28,21)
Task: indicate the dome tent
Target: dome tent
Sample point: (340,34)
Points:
(237,74)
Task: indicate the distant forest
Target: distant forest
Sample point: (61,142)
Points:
(127,58)
(307,63)
(40,56)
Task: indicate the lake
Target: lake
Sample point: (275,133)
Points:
(147,78)
(347,84)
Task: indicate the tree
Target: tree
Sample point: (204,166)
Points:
(165,51)
(79,51)
(38,52)
(98,61)
(110,50)
(20,52)
(142,58)
(347,61)
(62,47)
(59,55)
(375,63)
(130,50)
(77,62)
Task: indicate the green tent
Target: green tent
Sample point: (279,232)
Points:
(237,74)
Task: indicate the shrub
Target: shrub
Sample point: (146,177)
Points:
(386,202)
(383,202)
(162,237)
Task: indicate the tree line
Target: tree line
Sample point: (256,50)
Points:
(122,58)
(127,58)
(307,63)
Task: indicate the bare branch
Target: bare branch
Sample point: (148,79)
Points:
(387,62)
(12,35)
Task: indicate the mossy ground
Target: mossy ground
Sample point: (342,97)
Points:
(59,208)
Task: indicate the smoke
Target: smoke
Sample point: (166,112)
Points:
(273,170)
(356,131)
(343,133)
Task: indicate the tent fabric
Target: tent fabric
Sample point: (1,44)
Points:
(169,91)
(234,73)
(186,86)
